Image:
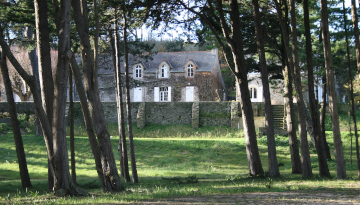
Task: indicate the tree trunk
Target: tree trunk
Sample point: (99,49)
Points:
(231,30)
(63,184)
(290,115)
(295,71)
(323,116)
(339,155)
(71,122)
(88,122)
(31,81)
(112,179)
(124,166)
(290,121)
(128,105)
(236,45)
(355,21)
(357,43)
(44,67)
(273,164)
(319,143)
(24,174)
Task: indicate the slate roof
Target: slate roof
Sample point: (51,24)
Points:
(203,60)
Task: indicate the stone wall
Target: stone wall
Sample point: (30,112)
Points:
(146,113)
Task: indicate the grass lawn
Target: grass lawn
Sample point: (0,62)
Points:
(173,162)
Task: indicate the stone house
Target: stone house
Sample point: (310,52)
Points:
(277,90)
(256,89)
(168,77)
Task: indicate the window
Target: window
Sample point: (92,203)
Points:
(164,71)
(253,94)
(163,94)
(190,70)
(138,70)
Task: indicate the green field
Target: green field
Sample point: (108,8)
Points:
(172,161)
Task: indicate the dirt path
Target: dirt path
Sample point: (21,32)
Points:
(292,197)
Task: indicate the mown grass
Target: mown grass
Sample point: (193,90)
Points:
(172,161)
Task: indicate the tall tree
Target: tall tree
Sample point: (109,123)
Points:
(273,165)
(295,71)
(88,121)
(289,104)
(44,66)
(24,174)
(115,52)
(54,136)
(63,183)
(112,180)
(339,155)
(128,105)
(71,122)
(319,138)
(224,20)
(355,21)
(357,45)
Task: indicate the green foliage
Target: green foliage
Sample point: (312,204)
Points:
(4,128)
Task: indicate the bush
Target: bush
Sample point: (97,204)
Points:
(4,128)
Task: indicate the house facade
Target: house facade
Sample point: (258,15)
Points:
(168,77)
(256,89)
(277,87)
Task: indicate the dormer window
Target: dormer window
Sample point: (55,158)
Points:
(138,72)
(190,70)
(164,71)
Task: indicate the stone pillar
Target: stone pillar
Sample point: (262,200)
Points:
(140,117)
(236,122)
(195,121)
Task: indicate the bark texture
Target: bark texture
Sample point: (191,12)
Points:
(273,164)
(296,72)
(135,178)
(20,153)
(124,166)
(322,117)
(71,122)
(357,44)
(319,142)
(355,21)
(88,121)
(112,180)
(44,67)
(339,155)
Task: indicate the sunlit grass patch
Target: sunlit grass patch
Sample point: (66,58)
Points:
(203,162)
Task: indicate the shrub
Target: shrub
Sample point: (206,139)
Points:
(4,128)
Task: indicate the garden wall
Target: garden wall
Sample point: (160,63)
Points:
(209,113)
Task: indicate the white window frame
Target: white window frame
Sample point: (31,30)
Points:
(190,71)
(138,71)
(253,93)
(162,94)
(164,71)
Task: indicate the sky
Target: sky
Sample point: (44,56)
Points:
(145,32)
